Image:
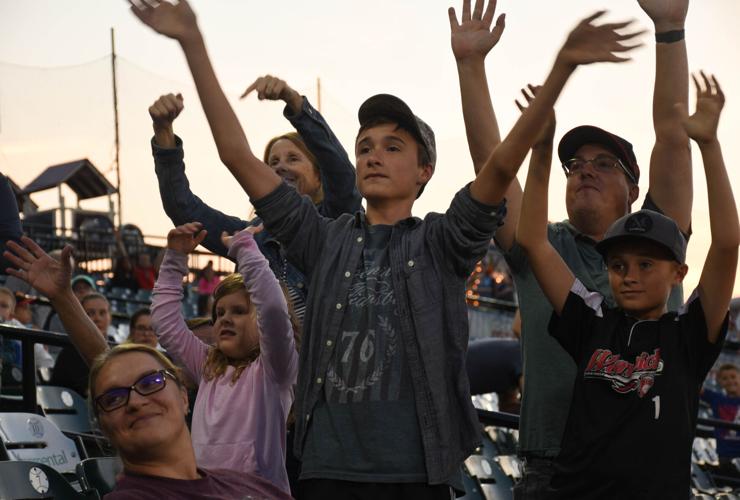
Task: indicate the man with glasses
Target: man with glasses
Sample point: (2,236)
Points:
(602,184)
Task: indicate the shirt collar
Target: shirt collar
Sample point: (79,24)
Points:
(408,222)
(577,234)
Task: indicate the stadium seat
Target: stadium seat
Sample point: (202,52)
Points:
(23,480)
(63,406)
(488,474)
(99,474)
(31,437)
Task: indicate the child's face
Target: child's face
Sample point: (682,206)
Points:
(143,332)
(387,160)
(729,380)
(7,304)
(99,313)
(24,313)
(235,328)
(641,277)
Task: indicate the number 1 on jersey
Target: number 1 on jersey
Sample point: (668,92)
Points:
(656,400)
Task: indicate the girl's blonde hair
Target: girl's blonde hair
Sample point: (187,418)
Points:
(119,350)
(216,361)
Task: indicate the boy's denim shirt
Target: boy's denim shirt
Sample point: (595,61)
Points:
(337,179)
(430,260)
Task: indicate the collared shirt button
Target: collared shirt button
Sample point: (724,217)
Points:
(411,263)
(339,305)
(359,239)
(319,380)
(329,343)
(300,285)
(347,274)
(308,416)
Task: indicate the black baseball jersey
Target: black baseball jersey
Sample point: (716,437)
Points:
(632,417)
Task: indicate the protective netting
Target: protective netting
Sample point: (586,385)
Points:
(55,115)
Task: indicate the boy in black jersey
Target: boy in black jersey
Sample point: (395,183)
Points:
(633,413)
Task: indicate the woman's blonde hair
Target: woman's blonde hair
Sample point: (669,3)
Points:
(216,361)
(297,140)
(119,350)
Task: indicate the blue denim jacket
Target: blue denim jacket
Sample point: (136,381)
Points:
(337,179)
(430,261)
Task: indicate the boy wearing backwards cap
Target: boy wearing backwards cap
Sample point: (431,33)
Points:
(382,402)
(632,416)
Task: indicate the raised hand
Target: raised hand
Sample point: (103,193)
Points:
(49,276)
(667,15)
(174,21)
(547,132)
(185,238)
(589,43)
(702,125)
(227,239)
(473,37)
(165,110)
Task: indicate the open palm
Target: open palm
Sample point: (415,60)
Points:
(473,36)
(37,268)
(702,125)
(589,43)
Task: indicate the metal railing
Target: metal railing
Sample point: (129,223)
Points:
(29,337)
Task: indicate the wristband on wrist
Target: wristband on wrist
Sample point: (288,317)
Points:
(670,36)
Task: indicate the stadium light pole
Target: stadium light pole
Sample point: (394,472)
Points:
(115,116)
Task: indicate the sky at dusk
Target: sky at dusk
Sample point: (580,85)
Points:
(56,97)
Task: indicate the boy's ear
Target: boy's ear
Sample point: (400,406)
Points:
(681,270)
(426,173)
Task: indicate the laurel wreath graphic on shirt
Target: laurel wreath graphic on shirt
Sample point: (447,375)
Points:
(380,368)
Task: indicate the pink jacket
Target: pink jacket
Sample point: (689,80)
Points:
(238,426)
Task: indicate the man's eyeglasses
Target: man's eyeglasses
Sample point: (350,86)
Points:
(603,164)
(117,397)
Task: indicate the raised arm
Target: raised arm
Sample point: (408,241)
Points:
(337,172)
(169,323)
(551,272)
(587,43)
(179,202)
(53,279)
(670,163)
(718,274)
(277,344)
(179,22)
(472,39)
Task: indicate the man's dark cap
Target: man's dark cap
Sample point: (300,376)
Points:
(648,225)
(588,134)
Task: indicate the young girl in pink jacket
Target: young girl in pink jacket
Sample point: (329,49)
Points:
(246,379)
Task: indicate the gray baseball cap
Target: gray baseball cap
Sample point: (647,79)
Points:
(648,225)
